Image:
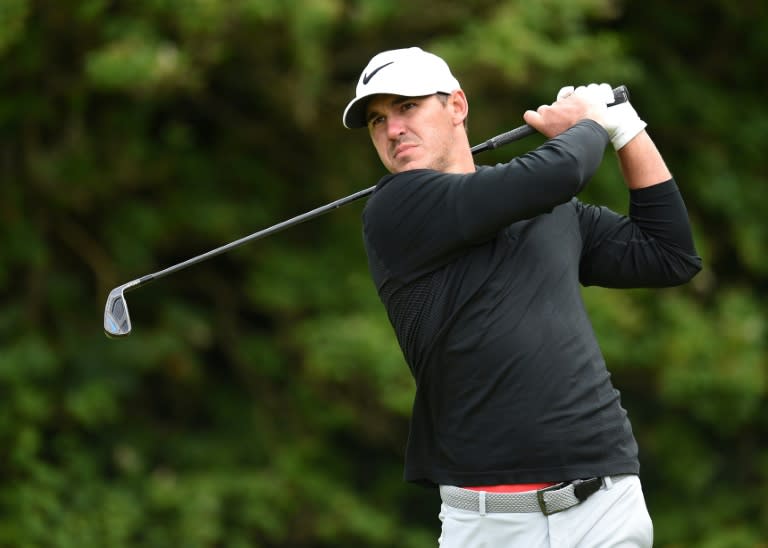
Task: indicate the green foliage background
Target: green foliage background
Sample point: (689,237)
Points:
(262,400)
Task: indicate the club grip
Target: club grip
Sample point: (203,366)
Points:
(620,95)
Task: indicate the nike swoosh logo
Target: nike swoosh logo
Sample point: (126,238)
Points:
(367,77)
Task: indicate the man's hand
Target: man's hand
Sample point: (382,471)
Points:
(639,159)
(567,110)
(622,122)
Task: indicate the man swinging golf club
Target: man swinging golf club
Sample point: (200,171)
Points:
(515,418)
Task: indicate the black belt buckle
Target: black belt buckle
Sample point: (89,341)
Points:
(585,488)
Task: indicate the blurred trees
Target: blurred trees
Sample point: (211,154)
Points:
(262,400)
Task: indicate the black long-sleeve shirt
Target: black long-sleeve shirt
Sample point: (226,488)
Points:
(480,274)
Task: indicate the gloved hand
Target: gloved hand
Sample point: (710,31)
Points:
(622,121)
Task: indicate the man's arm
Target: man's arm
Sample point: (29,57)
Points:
(653,246)
(421,219)
(641,163)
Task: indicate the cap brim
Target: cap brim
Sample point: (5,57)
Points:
(354,114)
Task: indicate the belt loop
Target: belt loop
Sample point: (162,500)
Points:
(607,482)
(481,502)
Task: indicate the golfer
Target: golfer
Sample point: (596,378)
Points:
(515,418)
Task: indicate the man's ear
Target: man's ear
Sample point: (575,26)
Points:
(459,106)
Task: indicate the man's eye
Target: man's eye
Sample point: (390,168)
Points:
(408,106)
(375,121)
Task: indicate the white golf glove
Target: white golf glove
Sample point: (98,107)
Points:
(622,121)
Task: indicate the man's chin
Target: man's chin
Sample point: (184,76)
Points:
(407,165)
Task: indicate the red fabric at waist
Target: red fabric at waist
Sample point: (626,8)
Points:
(511,488)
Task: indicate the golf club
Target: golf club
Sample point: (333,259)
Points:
(117,321)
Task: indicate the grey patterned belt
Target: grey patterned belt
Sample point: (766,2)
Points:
(549,500)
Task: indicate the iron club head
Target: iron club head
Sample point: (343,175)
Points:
(117,321)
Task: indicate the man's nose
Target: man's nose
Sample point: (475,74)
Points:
(395,127)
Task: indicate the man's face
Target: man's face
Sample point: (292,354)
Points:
(412,132)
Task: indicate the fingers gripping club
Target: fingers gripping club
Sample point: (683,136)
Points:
(620,95)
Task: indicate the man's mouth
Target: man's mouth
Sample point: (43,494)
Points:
(403,147)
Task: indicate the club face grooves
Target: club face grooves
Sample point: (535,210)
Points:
(117,322)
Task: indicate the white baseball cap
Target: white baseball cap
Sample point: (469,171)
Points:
(410,72)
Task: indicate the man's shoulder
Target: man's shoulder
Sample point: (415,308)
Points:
(408,176)
(406,185)
(406,197)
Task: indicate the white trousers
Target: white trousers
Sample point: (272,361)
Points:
(614,516)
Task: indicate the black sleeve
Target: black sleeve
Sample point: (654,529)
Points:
(653,247)
(418,220)
(531,184)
